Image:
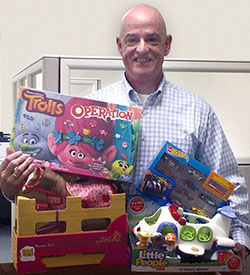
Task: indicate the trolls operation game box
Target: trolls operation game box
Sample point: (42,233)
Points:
(76,135)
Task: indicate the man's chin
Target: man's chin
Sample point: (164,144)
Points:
(143,73)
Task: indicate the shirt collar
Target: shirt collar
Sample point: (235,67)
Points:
(133,97)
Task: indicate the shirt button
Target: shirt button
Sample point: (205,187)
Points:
(142,138)
(141,164)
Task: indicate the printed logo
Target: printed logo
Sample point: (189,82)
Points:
(177,153)
(154,259)
(115,238)
(38,102)
(27,254)
(137,204)
(233,262)
(78,111)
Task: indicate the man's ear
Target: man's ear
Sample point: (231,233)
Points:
(119,45)
(168,44)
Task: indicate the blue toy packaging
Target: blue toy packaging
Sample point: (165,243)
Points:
(76,135)
(173,176)
(181,221)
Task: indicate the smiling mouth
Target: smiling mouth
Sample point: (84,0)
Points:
(142,60)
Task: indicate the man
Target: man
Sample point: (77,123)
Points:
(169,113)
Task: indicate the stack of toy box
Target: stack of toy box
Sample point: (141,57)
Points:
(94,139)
(181,220)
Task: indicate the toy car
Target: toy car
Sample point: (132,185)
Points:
(195,174)
(207,199)
(154,186)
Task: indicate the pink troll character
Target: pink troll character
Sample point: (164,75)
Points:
(77,140)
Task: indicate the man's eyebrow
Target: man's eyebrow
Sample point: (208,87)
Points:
(150,33)
(128,35)
(153,34)
(134,35)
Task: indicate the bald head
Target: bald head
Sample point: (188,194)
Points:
(140,14)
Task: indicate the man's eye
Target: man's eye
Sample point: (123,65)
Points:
(131,41)
(153,41)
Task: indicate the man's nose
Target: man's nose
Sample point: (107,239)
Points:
(142,46)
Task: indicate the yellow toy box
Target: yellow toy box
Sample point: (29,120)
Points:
(57,238)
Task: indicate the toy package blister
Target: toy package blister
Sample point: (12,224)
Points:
(76,135)
(172,240)
(174,176)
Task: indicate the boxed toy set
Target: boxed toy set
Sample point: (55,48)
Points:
(172,240)
(76,135)
(174,176)
(181,221)
(69,237)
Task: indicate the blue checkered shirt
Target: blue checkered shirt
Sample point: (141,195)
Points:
(187,121)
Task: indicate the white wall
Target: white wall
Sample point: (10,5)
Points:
(207,29)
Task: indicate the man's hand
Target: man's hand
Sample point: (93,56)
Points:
(241,251)
(14,171)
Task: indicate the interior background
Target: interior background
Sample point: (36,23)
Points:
(208,29)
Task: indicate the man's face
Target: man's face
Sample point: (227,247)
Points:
(143,43)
